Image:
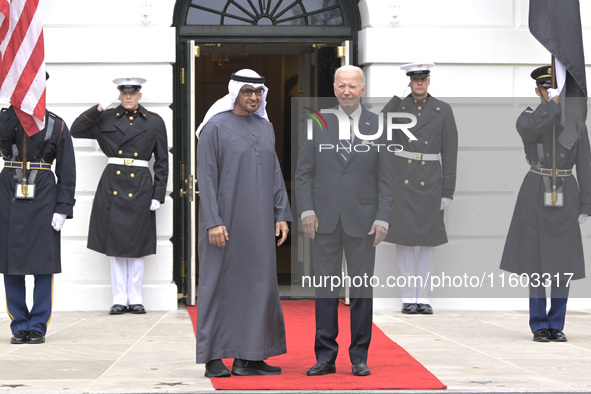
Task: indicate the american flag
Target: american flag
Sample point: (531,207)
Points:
(22,66)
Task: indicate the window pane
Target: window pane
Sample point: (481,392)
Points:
(200,17)
(265,12)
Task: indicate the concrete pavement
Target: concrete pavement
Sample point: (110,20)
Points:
(469,351)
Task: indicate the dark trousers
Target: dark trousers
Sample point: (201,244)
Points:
(554,318)
(38,317)
(360,256)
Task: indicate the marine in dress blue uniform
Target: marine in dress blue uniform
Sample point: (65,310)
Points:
(30,221)
(424,185)
(123,218)
(542,239)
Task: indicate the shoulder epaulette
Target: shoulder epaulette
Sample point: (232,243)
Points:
(153,113)
(529,110)
(53,115)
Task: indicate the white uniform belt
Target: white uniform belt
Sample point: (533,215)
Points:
(418,156)
(128,162)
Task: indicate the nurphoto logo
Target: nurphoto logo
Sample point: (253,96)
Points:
(366,139)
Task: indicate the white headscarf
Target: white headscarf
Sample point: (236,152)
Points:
(226,103)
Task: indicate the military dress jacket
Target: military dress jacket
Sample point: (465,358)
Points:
(121,223)
(28,243)
(417,218)
(547,240)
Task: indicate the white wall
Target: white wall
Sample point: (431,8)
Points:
(481,49)
(87,44)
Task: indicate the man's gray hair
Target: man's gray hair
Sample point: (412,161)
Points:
(349,68)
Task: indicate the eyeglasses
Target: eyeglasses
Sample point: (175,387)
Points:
(249,92)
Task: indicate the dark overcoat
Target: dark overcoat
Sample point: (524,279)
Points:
(547,240)
(121,223)
(28,243)
(417,218)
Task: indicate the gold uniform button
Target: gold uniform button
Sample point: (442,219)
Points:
(409,161)
(118,172)
(115,193)
(130,124)
(132,175)
(426,142)
(422,183)
(406,182)
(135,154)
(120,152)
(423,163)
(409,140)
(130,195)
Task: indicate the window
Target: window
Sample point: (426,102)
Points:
(265,13)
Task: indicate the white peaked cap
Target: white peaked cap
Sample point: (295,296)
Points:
(121,82)
(417,70)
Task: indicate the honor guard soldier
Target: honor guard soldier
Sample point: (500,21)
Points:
(33,209)
(424,185)
(544,239)
(123,219)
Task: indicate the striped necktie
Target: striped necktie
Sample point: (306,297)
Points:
(346,145)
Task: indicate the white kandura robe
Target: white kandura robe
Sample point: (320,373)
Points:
(239,313)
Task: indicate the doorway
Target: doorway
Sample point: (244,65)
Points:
(296,71)
(296,54)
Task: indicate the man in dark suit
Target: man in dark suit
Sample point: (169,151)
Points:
(344,199)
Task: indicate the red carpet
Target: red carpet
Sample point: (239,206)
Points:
(391,366)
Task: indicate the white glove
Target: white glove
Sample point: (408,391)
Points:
(155,205)
(445,202)
(582,218)
(552,93)
(57,222)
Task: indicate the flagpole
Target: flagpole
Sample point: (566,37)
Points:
(553,86)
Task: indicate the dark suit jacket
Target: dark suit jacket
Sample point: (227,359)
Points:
(358,191)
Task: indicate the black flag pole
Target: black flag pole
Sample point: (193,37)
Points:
(553,86)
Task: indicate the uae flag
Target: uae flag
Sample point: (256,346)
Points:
(22,62)
(556,24)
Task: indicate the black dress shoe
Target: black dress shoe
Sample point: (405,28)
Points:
(19,337)
(216,369)
(321,368)
(35,337)
(409,309)
(137,309)
(557,335)
(542,335)
(248,368)
(118,309)
(360,369)
(425,309)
